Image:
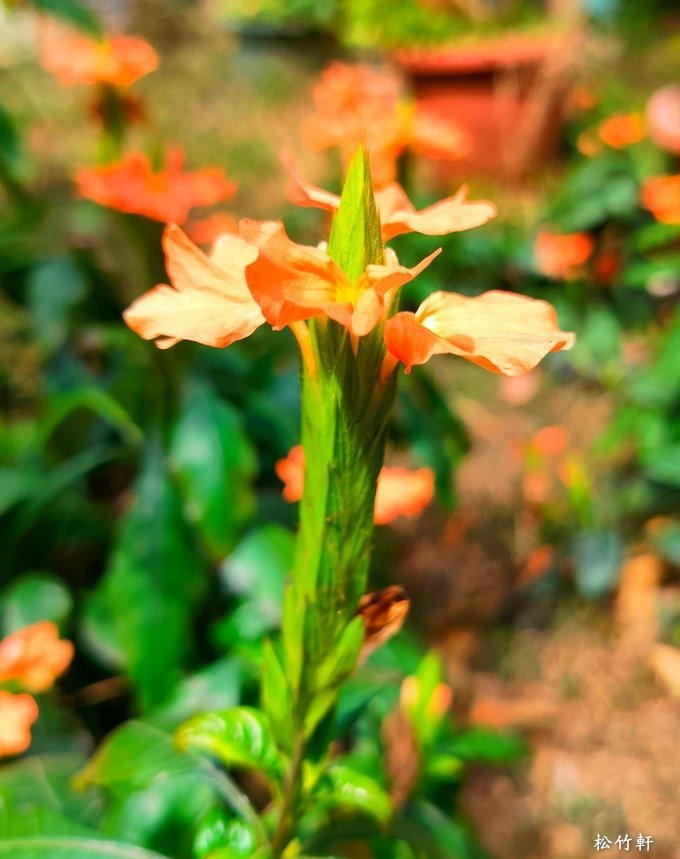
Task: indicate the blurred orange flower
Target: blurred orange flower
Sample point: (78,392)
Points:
(560,255)
(356,104)
(131,185)
(663,118)
(205,231)
(500,331)
(622,130)
(209,301)
(17,714)
(76,59)
(588,143)
(400,491)
(293,282)
(397,213)
(661,196)
(550,441)
(34,656)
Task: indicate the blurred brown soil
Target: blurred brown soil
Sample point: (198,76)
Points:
(574,679)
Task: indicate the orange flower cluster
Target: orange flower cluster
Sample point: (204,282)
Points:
(661,196)
(75,59)
(400,491)
(561,255)
(622,130)
(358,104)
(167,194)
(618,131)
(32,658)
(262,276)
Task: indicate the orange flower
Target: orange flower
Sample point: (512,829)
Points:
(661,196)
(663,118)
(622,130)
(291,471)
(400,491)
(205,231)
(500,331)
(397,213)
(76,59)
(209,301)
(588,144)
(551,440)
(358,104)
(131,185)
(17,714)
(560,256)
(293,282)
(34,656)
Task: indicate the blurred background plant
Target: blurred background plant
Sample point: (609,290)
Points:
(140,510)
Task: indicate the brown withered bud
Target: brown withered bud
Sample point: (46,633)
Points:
(383,613)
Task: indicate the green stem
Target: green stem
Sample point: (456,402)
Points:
(345,408)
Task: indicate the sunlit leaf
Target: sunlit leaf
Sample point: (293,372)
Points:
(344,788)
(239,737)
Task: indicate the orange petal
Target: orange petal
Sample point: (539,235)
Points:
(661,195)
(76,59)
(399,492)
(304,194)
(397,213)
(34,656)
(500,331)
(402,492)
(292,282)
(451,215)
(560,255)
(209,301)
(17,714)
(291,471)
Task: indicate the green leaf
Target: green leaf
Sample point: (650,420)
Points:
(483,745)
(16,484)
(664,465)
(256,571)
(436,834)
(72,12)
(341,662)
(355,240)
(45,780)
(54,288)
(344,788)
(11,150)
(216,687)
(64,847)
(215,465)
(239,737)
(35,597)
(277,697)
(220,837)
(66,406)
(137,754)
(152,582)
